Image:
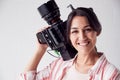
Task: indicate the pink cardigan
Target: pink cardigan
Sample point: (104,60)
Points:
(102,70)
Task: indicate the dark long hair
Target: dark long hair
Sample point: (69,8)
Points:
(89,14)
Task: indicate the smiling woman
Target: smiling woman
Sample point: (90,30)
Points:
(82,36)
(83,28)
(20,20)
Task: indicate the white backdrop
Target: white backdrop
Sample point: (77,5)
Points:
(20,20)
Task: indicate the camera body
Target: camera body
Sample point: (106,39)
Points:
(55,36)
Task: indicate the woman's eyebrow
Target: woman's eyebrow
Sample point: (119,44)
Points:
(87,26)
(74,27)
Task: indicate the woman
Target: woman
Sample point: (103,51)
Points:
(83,28)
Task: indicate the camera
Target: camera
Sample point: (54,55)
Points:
(55,36)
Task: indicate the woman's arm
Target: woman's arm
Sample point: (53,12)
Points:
(32,65)
(41,48)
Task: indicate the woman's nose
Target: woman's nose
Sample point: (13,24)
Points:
(82,35)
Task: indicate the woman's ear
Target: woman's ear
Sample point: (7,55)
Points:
(98,33)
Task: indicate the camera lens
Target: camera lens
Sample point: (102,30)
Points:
(49,11)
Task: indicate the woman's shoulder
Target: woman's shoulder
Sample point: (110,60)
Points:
(106,63)
(107,69)
(110,67)
(111,71)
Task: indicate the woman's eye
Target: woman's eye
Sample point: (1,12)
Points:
(75,31)
(88,30)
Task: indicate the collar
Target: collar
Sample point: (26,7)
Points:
(97,65)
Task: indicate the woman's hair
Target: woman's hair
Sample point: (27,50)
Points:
(89,14)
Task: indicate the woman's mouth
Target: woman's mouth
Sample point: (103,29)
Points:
(83,43)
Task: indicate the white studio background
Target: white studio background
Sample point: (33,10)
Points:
(20,20)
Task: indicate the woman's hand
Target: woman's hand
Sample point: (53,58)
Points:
(40,46)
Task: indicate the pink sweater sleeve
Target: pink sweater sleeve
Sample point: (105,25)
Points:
(31,75)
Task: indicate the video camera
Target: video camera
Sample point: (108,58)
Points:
(55,36)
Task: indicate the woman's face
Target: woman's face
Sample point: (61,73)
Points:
(82,36)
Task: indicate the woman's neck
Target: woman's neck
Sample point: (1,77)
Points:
(84,62)
(88,59)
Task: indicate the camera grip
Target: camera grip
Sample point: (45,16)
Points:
(40,38)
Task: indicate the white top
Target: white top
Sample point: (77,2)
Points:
(73,74)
